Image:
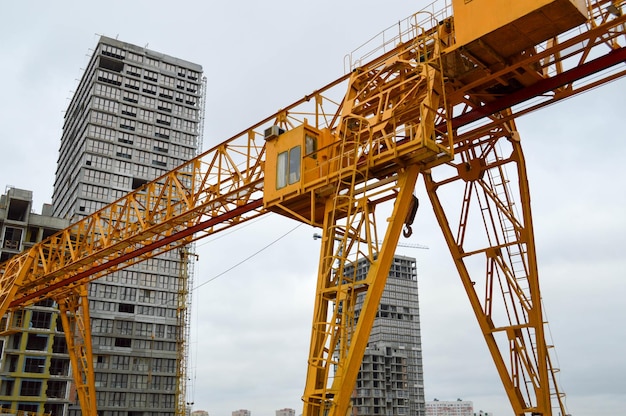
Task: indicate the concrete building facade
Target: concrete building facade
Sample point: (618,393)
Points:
(391,378)
(34,364)
(450,408)
(136,114)
(286,412)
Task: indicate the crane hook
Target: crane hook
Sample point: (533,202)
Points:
(410,217)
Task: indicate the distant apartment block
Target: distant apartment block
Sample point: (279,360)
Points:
(34,364)
(286,412)
(241,412)
(135,115)
(450,408)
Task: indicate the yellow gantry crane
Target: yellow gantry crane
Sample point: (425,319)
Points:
(436,97)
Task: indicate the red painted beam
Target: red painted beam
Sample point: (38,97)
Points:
(541,87)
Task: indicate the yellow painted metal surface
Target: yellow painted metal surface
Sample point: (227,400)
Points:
(511,26)
(404,110)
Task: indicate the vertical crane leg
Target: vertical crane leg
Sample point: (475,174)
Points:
(338,339)
(495,236)
(74,314)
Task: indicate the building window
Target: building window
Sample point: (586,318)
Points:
(12,238)
(127,124)
(128,110)
(120,362)
(161,147)
(149,89)
(164,106)
(40,319)
(124,327)
(162,132)
(109,78)
(37,342)
(126,308)
(107,91)
(148,102)
(59,367)
(152,62)
(159,160)
(125,138)
(133,70)
(112,51)
(34,365)
(30,388)
(151,75)
(134,57)
(123,342)
(131,97)
(146,115)
(132,84)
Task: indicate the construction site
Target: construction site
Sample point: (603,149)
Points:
(95,292)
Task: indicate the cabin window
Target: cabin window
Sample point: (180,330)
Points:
(310,146)
(294,164)
(288,169)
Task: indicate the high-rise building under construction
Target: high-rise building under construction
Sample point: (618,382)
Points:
(34,363)
(136,114)
(391,378)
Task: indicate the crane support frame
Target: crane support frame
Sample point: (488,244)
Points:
(426,104)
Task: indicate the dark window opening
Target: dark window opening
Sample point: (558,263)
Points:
(18,209)
(34,365)
(126,308)
(47,232)
(30,388)
(122,342)
(59,367)
(12,238)
(6,387)
(25,407)
(12,363)
(137,183)
(40,319)
(16,340)
(56,389)
(37,342)
(59,345)
(111,64)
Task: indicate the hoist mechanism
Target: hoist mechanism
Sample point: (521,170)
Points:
(436,97)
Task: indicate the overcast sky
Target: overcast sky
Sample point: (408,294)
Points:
(251,325)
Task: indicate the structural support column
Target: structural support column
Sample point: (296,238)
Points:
(74,314)
(493,249)
(339,339)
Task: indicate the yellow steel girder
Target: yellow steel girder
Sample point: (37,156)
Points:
(395,116)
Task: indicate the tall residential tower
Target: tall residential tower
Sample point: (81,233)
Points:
(136,114)
(391,378)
